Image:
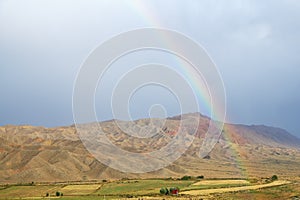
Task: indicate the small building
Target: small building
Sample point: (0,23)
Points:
(174,191)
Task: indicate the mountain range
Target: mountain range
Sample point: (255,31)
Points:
(39,154)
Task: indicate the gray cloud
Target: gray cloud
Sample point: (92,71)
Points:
(255,45)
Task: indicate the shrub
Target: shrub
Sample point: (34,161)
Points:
(164,191)
(186,178)
(200,177)
(274,178)
(57,194)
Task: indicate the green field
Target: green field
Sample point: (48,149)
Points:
(140,187)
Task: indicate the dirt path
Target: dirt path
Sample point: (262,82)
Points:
(234,189)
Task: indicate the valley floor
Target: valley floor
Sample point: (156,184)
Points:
(149,189)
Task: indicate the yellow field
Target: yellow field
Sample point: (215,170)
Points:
(80,189)
(28,191)
(221,182)
(234,189)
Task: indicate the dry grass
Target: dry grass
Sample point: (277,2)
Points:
(80,189)
(235,189)
(221,182)
(27,191)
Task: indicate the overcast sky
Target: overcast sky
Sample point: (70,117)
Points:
(255,45)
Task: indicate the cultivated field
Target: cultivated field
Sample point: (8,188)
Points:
(149,189)
(80,189)
(234,189)
(220,182)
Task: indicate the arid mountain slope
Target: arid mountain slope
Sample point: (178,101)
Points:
(41,154)
(260,134)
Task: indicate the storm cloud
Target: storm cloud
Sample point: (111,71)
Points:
(255,45)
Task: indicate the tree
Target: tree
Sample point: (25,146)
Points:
(167,191)
(57,194)
(164,191)
(274,178)
(186,178)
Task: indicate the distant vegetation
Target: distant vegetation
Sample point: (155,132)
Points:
(191,177)
(271,179)
(274,178)
(58,194)
(200,177)
(186,178)
(164,191)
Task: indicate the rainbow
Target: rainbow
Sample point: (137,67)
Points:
(143,10)
(185,69)
(236,152)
